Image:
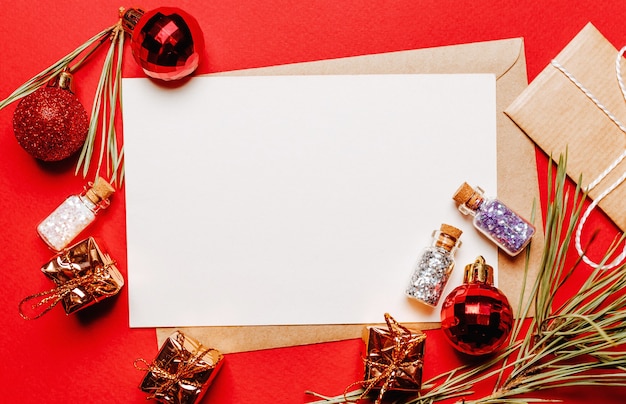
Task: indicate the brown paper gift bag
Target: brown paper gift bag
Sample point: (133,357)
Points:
(560,117)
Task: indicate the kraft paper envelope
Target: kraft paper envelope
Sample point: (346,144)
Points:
(558,116)
(517,174)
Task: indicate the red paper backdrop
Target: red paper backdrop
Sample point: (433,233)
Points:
(89,357)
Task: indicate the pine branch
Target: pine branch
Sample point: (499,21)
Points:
(580,343)
(103,113)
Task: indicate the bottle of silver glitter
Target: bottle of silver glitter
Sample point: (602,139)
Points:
(494,219)
(74,215)
(434,266)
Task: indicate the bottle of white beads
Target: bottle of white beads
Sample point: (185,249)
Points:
(75,214)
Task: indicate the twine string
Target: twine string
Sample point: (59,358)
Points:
(609,169)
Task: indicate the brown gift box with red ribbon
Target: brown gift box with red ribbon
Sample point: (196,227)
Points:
(394,358)
(84,275)
(182,371)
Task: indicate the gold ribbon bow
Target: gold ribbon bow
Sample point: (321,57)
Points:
(97,283)
(405,343)
(186,372)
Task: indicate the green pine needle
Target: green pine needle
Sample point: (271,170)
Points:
(47,75)
(105,105)
(103,113)
(580,343)
(575,344)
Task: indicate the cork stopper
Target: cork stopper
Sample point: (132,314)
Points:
(101,190)
(463,194)
(478,272)
(448,237)
(468,196)
(450,230)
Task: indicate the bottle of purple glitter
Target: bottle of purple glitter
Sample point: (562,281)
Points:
(498,222)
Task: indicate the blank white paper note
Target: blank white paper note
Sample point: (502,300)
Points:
(298,199)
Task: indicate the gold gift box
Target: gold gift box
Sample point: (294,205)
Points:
(182,371)
(84,275)
(394,357)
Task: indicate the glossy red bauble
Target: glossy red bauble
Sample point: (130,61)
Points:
(476,317)
(50,124)
(167,43)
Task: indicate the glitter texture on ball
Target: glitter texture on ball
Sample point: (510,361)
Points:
(50,124)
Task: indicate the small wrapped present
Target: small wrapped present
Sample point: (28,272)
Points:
(181,372)
(575,105)
(83,274)
(394,358)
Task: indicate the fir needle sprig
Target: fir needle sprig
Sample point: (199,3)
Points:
(105,103)
(48,74)
(581,342)
(103,113)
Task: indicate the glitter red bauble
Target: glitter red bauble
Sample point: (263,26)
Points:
(50,124)
(476,318)
(167,42)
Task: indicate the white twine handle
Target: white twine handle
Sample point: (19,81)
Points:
(609,169)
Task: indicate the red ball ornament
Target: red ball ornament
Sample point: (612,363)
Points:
(476,317)
(166,42)
(51,123)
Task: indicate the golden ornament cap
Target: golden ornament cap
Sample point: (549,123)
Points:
(129,18)
(478,272)
(66,81)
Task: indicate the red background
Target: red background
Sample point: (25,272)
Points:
(89,357)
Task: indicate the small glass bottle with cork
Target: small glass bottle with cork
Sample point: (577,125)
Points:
(75,214)
(510,231)
(434,266)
